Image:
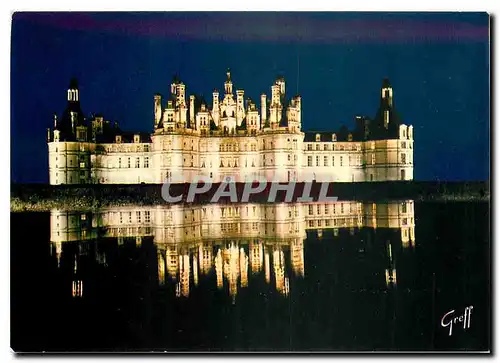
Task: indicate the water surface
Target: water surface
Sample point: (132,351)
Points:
(344,276)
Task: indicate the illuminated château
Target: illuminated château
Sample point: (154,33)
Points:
(232,137)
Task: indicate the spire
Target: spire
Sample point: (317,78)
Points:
(228,75)
(73,83)
(387,120)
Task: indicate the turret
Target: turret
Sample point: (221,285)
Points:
(386,101)
(215,107)
(158,111)
(191,110)
(263,107)
(252,117)
(173,85)
(276,108)
(293,114)
(280,81)
(181,94)
(275,95)
(228,85)
(240,107)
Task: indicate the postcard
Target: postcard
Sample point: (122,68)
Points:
(250,182)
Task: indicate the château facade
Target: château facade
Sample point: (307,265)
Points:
(232,137)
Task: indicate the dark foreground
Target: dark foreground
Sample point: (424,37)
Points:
(41,197)
(339,302)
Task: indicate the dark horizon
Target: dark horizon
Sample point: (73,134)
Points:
(438,64)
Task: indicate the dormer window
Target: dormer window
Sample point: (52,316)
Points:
(318,137)
(334,137)
(137,139)
(349,137)
(118,139)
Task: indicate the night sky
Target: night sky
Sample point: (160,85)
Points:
(438,65)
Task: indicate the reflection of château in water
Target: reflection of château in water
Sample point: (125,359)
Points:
(231,239)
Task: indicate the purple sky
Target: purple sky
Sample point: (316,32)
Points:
(308,27)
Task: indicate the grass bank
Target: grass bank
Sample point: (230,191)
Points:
(42,197)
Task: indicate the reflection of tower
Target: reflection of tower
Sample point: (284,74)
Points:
(77,289)
(390,273)
(231,268)
(161,268)
(184,270)
(297,256)
(407,223)
(256,256)
(195,269)
(58,249)
(243,268)
(390,277)
(267,265)
(218,268)
(172,261)
(205,257)
(374,215)
(279,269)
